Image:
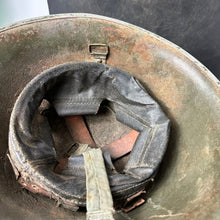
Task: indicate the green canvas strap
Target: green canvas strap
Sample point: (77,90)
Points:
(99,201)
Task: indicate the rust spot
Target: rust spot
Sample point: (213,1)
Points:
(115,34)
(34,188)
(88,158)
(142,50)
(89,196)
(167,89)
(12,36)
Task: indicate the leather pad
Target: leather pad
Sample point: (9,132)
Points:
(79,89)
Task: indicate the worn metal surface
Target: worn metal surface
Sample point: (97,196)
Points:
(193,25)
(188,186)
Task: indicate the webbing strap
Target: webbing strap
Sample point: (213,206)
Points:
(99,201)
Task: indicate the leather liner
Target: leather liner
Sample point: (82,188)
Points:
(79,89)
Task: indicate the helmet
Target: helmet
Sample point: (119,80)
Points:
(74,89)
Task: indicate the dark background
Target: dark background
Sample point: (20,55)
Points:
(193,25)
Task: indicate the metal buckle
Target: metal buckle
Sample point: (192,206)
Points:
(99,52)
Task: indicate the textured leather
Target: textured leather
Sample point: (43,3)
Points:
(79,89)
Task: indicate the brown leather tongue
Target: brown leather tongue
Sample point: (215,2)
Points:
(121,146)
(79,130)
(81,134)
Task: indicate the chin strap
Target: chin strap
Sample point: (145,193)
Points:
(99,201)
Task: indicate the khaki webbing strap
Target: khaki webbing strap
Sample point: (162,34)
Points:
(99,201)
